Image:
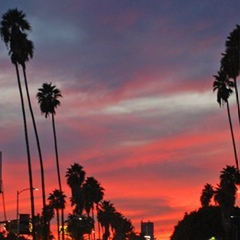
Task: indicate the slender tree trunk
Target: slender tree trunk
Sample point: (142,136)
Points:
(99,230)
(237,99)
(56,153)
(106,233)
(28,153)
(58,232)
(232,135)
(58,171)
(94,234)
(88,215)
(38,147)
(62,222)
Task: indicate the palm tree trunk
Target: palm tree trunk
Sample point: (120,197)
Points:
(237,99)
(99,230)
(38,146)
(58,232)
(94,234)
(58,171)
(28,153)
(56,153)
(232,135)
(106,233)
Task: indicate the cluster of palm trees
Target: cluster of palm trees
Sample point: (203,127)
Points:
(87,193)
(216,215)
(14,32)
(226,80)
(224,195)
(87,200)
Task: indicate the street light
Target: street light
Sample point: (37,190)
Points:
(18,193)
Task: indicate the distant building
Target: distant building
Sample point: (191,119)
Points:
(147,230)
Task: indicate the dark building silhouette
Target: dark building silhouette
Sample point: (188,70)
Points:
(147,230)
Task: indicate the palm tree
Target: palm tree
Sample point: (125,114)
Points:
(122,226)
(57,202)
(225,195)
(231,60)
(222,84)
(207,194)
(24,53)
(228,181)
(75,178)
(47,215)
(93,194)
(13,30)
(48,98)
(105,217)
(28,51)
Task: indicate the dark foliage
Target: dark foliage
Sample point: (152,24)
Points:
(202,224)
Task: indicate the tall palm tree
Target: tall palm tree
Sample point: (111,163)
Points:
(93,194)
(23,54)
(207,194)
(231,60)
(105,217)
(223,86)
(48,98)
(13,30)
(57,201)
(28,47)
(228,65)
(75,178)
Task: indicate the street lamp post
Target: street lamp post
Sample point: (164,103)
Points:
(18,220)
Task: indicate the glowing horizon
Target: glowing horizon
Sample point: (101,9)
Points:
(138,111)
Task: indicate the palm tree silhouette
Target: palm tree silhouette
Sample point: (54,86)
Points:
(57,202)
(105,217)
(228,181)
(75,178)
(223,87)
(225,195)
(93,194)
(122,226)
(230,62)
(29,49)
(13,32)
(48,214)
(207,194)
(48,98)
(23,55)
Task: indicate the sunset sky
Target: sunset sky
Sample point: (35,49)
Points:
(138,111)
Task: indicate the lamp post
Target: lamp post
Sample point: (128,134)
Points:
(18,221)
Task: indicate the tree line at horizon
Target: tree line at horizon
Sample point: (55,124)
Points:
(86,193)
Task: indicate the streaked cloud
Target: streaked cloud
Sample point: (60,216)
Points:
(138,111)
